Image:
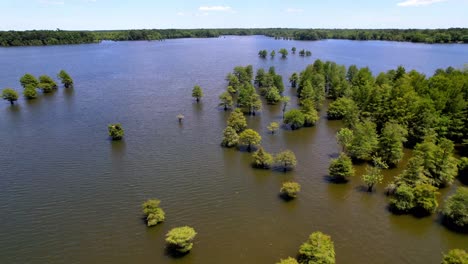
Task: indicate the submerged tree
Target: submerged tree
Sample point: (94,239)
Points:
(29,80)
(295,118)
(285,100)
(341,168)
(237,120)
(10,95)
(47,84)
(116,131)
(230,137)
(180,239)
(373,173)
(263,54)
(283,52)
(289,260)
(226,100)
(154,213)
(272,95)
(273,127)
(345,137)
(272,54)
(30,92)
(455,256)
(250,138)
(293,80)
(293,49)
(290,189)
(286,160)
(66,79)
(318,248)
(455,209)
(197,93)
(262,159)
(391,143)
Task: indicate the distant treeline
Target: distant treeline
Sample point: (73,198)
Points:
(59,37)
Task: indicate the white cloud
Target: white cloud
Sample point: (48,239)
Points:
(180,13)
(215,8)
(419,2)
(294,10)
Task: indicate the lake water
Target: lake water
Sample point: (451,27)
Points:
(70,195)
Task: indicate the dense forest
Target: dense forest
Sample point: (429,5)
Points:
(60,37)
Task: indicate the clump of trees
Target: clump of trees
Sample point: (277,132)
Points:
(270,84)
(293,50)
(263,53)
(197,93)
(10,95)
(319,248)
(455,210)
(116,131)
(180,239)
(455,256)
(289,190)
(154,214)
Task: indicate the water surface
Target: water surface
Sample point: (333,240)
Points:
(70,195)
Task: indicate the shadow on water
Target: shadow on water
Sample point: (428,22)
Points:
(68,93)
(172,252)
(118,148)
(15,109)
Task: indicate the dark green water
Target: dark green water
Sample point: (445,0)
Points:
(69,195)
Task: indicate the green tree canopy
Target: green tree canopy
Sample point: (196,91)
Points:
(10,95)
(29,80)
(154,214)
(262,159)
(318,248)
(65,78)
(290,189)
(341,168)
(284,53)
(226,100)
(197,93)
(455,256)
(237,120)
(455,209)
(295,118)
(230,137)
(181,238)
(286,160)
(250,138)
(116,132)
(289,260)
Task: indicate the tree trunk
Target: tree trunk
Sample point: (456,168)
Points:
(225,107)
(198,99)
(369,188)
(11,102)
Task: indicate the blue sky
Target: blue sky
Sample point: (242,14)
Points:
(126,14)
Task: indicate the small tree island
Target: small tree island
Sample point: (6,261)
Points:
(180,239)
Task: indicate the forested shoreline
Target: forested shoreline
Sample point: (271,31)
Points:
(63,37)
